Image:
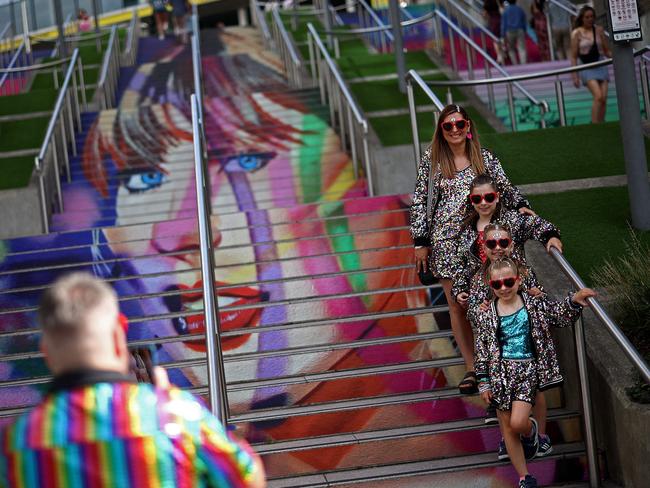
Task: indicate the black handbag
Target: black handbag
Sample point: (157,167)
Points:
(426,277)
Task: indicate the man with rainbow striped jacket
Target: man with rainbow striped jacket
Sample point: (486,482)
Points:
(96,427)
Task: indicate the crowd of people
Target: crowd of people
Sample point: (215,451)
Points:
(177,10)
(469,225)
(585,42)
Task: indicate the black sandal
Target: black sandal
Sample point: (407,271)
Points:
(469,384)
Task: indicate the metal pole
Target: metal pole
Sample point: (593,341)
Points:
(632,135)
(214,357)
(549,33)
(452,47)
(590,437)
(470,64)
(559,93)
(414,122)
(41,193)
(450,97)
(353,144)
(327,15)
(398,45)
(490,88)
(294,17)
(312,61)
(366,155)
(26,40)
(511,106)
(58,18)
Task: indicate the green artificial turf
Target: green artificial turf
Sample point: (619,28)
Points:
(381,64)
(385,94)
(45,81)
(594,224)
(564,153)
(34,101)
(396,130)
(16,172)
(22,134)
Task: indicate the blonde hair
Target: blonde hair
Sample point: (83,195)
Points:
(502,263)
(441,154)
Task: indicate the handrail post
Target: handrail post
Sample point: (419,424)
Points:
(511,106)
(45,218)
(559,93)
(214,357)
(587,414)
(312,61)
(368,164)
(490,88)
(452,47)
(470,64)
(353,143)
(414,120)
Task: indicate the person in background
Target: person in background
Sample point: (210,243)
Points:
(161,16)
(97,427)
(513,31)
(83,20)
(492,13)
(588,43)
(180,8)
(560,19)
(540,25)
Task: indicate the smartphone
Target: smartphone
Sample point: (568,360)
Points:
(143,360)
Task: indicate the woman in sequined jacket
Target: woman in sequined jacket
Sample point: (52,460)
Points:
(521,227)
(453,160)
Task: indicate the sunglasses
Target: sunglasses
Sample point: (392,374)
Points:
(476,198)
(503,243)
(459,124)
(506,282)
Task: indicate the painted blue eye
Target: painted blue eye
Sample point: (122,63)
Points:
(139,182)
(248,163)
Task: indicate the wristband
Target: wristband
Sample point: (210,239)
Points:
(483,387)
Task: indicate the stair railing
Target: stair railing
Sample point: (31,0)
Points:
(287,50)
(53,154)
(559,90)
(132,37)
(412,77)
(10,72)
(369,18)
(542,105)
(372,30)
(259,20)
(630,351)
(335,93)
(107,84)
(214,355)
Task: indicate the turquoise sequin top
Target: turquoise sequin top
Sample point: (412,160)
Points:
(514,335)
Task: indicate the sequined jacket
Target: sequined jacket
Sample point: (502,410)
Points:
(421,223)
(523,227)
(543,313)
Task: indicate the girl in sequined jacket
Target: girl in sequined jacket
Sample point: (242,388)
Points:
(515,356)
(447,168)
(484,208)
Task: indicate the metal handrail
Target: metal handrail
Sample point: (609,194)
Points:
(214,355)
(376,18)
(107,84)
(413,76)
(542,105)
(35,67)
(288,54)
(132,38)
(333,88)
(260,21)
(630,351)
(383,28)
(474,21)
(6,72)
(532,76)
(66,112)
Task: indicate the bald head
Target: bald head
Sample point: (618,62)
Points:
(79,318)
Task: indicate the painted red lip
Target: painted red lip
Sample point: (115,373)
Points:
(229,320)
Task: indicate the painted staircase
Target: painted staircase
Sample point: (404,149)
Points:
(340,367)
